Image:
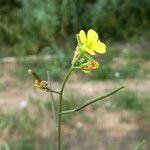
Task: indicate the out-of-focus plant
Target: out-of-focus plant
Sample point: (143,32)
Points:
(87,46)
(29,26)
(139,146)
(4,146)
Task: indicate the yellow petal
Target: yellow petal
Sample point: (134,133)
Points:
(100,47)
(37,83)
(88,50)
(92,36)
(82,37)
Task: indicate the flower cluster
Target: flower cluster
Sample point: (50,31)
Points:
(88,45)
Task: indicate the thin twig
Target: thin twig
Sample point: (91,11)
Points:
(52,100)
(52,91)
(91,101)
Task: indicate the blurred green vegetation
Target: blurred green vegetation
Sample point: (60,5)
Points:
(122,64)
(114,65)
(34,26)
(4,146)
(130,100)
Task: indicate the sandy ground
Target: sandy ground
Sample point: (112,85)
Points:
(13,95)
(114,129)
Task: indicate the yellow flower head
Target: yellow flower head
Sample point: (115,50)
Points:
(90,65)
(41,85)
(38,83)
(90,43)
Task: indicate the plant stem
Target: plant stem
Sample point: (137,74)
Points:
(53,91)
(68,111)
(52,100)
(60,108)
(91,101)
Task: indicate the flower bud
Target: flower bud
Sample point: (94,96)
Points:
(90,65)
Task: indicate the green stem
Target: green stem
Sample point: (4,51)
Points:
(138,147)
(52,91)
(60,108)
(91,101)
(68,111)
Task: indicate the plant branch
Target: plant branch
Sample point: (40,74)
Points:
(52,91)
(91,101)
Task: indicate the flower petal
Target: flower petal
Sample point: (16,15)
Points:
(92,36)
(82,37)
(100,47)
(37,83)
(88,50)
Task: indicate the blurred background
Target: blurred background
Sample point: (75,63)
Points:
(41,35)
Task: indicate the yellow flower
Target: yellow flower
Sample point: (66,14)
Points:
(41,85)
(38,84)
(90,65)
(90,43)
